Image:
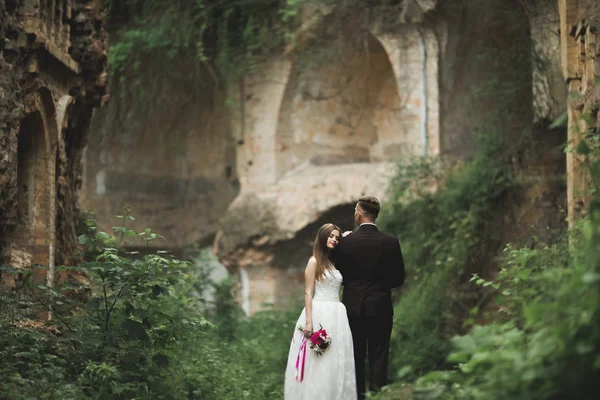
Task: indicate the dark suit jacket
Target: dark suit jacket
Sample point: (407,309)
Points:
(371,264)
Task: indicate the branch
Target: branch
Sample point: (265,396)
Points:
(49,309)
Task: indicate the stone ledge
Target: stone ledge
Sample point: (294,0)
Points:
(276,213)
(29,26)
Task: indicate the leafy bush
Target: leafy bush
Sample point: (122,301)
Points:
(440,232)
(548,346)
(234,36)
(544,343)
(140,335)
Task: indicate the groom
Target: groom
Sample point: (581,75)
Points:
(371,264)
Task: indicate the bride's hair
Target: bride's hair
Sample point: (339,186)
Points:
(321,252)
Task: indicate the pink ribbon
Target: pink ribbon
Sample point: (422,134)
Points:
(302,351)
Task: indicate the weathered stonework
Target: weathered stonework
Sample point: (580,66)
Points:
(164,148)
(296,146)
(484,72)
(421,91)
(549,90)
(310,141)
(52,59)
(580,53)
(268,233)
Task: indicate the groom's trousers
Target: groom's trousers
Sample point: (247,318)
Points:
(371,334)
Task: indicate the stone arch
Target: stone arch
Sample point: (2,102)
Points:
(260,94)
(347,111)
(414,55)
(36,164)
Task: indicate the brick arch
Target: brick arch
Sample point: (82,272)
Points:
(36,210)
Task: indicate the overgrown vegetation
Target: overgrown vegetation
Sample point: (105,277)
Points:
(445,212)
(544,342)
(442,233)
(537,334)
(530,332)
(230,38)
(141,334)
(521,325)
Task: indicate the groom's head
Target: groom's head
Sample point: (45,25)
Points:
(366,210)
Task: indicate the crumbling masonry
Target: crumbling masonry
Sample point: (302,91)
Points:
(52,75)
(580,55)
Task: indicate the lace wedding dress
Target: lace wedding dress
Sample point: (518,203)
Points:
(330,376)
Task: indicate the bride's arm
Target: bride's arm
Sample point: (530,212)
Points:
(309,286)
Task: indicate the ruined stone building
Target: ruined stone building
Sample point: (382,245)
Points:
(53,56)
(257,165)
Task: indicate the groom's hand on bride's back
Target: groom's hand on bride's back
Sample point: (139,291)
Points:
(346,233)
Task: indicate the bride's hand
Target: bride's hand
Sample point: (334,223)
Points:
(346,233)
(308,330)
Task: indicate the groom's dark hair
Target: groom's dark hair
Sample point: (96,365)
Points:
(369,206)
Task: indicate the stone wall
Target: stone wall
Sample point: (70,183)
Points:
(163,146)
(485,72)
(52,63)
(297,145)
(549,90)
(353,110)
(580,54)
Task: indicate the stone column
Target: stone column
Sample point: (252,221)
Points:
(261,96)
(414,54)
(581,67)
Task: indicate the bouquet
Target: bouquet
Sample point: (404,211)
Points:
(319,341)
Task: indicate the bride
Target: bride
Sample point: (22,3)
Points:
(330,376)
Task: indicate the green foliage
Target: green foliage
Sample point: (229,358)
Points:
(141,334)
(234,35)
(231,38)
(548,345)
(446,215)
(441,232)
(544,343)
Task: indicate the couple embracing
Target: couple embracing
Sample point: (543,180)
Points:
(328,350)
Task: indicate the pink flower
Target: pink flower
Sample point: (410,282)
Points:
(316,338)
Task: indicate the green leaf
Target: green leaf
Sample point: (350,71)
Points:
(458,357)
(157,290)
(135,330)
(524,274)
(583,148)
(161,360)
(561,121)
(590,277)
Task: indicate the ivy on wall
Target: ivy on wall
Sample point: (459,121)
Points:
(230,37)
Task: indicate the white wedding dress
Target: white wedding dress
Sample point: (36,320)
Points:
(330,376)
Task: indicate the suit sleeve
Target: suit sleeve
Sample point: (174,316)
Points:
(396,266)
(338,259)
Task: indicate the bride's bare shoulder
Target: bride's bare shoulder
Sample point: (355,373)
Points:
(311,264)
(311,267)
